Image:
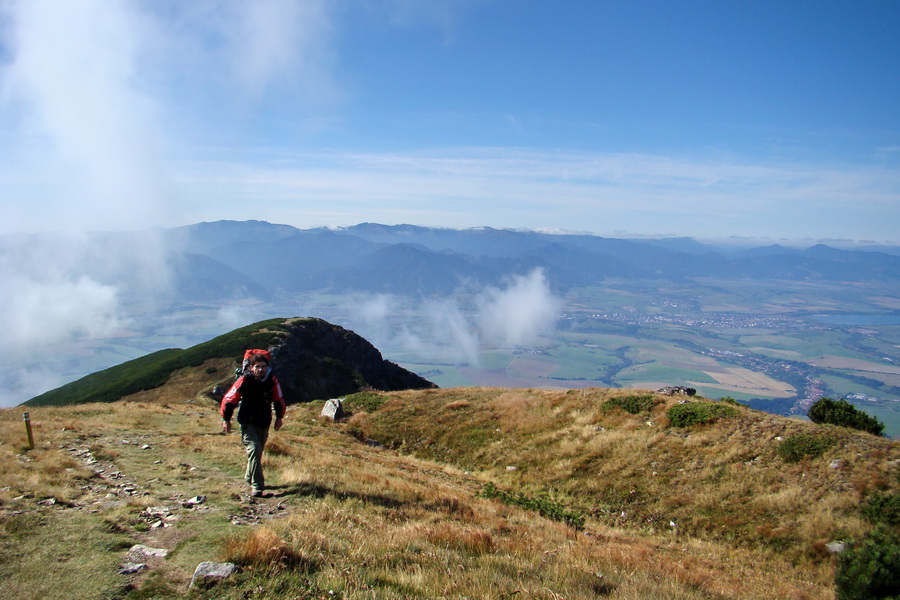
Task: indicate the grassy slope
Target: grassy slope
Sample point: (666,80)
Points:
(370,522)
(153,370)
(721,482)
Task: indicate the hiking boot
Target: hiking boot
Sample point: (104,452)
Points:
(256,493)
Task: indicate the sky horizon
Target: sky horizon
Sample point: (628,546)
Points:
(764,120)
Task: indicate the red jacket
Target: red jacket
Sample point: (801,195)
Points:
(256,400)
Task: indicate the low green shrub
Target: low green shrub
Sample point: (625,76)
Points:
(696,413)
(841,412)
(364,401)
(542,505)
(868,570)
(882,508)
(631,404)
(803,445)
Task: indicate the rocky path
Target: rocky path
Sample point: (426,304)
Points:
(165,508)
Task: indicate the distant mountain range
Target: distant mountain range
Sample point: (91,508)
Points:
(224,260)
(258,258)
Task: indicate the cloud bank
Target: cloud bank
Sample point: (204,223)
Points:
(516,315)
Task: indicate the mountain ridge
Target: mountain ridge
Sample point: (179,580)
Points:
(283,251)
(312,358)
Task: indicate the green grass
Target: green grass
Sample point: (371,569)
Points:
(699,413)
(60,556)
(631,404)
(803,445)
(542,504)
(657,371)
(364,401)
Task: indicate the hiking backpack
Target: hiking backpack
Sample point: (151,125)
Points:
(244,369)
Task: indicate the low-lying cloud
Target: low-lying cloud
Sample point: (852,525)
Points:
(520,313)
(514,315)
(66,288)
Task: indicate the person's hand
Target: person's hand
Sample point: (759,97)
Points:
(278,423)
(226,426)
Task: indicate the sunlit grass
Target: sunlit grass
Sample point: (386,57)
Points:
(703,512)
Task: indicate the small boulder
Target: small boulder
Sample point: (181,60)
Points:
(677,390)
(836,547)
(208,573)
(130,568)
(142,552)
(333,409)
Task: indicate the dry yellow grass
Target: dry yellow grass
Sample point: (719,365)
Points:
(406,522)
(720,482)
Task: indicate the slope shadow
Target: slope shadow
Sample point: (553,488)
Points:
(319,491)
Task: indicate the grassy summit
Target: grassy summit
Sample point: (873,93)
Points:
(151,371)
(313,360)
(707,511)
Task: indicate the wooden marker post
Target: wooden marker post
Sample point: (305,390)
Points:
(28,431)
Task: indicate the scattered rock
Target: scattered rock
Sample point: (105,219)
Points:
(142,552)
(131,568)
(195,501)
(208,573)
(835,464)
(157,511)
(47,502)
(676,390)
(333,409)
(836,547)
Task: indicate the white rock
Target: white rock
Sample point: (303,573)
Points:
(836,547)
(130,568)
(210,572)
(140,551)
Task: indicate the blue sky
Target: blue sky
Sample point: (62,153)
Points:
(714,119)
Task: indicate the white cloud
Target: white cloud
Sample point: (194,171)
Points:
(519,314)
(73,81)
(439,329)
(57,309)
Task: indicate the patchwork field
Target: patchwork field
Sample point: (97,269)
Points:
(853,364)
(736,379)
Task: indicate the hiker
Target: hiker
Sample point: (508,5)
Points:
(257,393)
